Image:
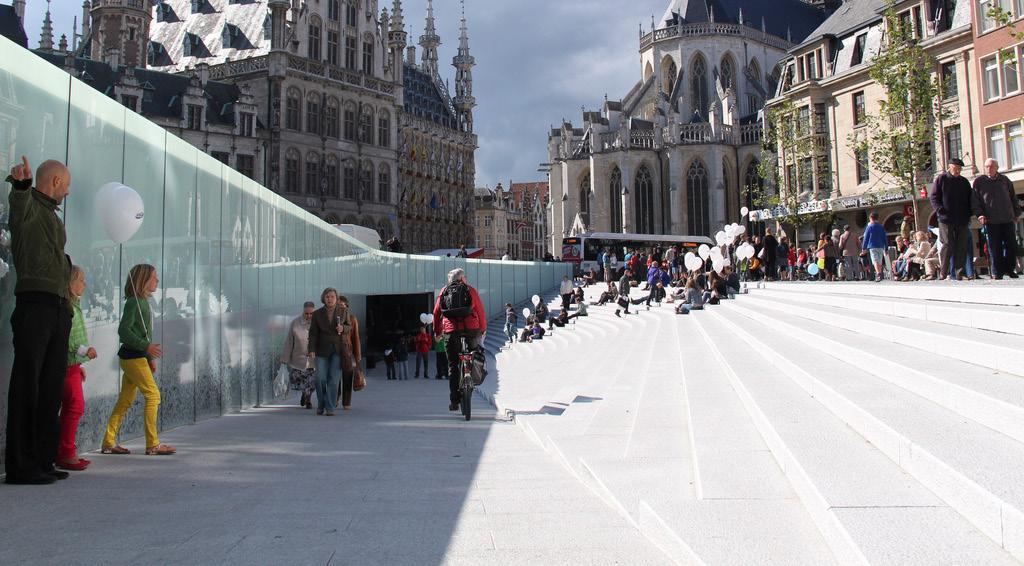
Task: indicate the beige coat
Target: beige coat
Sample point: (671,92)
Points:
(296,345)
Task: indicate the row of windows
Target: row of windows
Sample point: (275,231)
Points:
(326,117)
(1001,74)
(244,164)
(1013,7)
(333,53)
(328,178)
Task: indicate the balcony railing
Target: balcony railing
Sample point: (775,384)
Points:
(712,28)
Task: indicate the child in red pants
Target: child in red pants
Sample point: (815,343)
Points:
(73,403)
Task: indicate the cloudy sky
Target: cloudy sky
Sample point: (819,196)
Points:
(538,61)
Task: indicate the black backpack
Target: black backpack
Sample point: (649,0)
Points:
(456,301)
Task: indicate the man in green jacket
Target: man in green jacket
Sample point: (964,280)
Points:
(41,322)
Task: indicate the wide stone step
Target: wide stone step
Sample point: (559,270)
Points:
(848,486)
(986,292)
(970,466)
(992,398)
(1004,352)
(970,315)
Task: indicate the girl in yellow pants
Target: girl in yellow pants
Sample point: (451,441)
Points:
(137,354)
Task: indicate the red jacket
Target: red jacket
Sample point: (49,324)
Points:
(423,343)
(475,321)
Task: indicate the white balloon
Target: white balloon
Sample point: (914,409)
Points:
(526,313)
(704,250)
(121,210)
(4,268)
(740,229)
(692,262)
(430,318)
(744,211)
(536,300)
(423,318)
(716,253)
(716,264)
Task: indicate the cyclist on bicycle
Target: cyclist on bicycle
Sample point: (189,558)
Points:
(461,315)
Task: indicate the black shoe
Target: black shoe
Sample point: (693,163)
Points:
(997,277)
(41,479)
(59,474)
(617,313)
(1012,275)
(453,406)
(439,377)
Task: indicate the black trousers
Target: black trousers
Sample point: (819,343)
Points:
(954,249)
(345,387)
(442,365)
(1002,248)
(41,323)
(453,345)
(566,300)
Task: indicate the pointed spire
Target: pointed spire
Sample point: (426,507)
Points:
(62,46)
(46,38)
(397,23)
(429,41)
(464,62)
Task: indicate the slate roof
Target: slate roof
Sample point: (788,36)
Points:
(781,17)
(423,98)
(11,26)
(853,14)
(248,18)
(162,91)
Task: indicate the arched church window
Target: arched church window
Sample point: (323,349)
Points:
(585,198)
(615,191)
(699,87)
(697,200)
(728,72)
(643,201)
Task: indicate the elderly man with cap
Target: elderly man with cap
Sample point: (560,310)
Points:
(997,209)
(41,322)
(952,200)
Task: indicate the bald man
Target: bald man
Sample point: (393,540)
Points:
(998,209)
(41,322)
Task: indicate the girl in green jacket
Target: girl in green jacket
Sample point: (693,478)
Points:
(72,405)
(137,354)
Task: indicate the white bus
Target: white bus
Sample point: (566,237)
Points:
(583,250)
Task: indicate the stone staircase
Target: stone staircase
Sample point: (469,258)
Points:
(802,423)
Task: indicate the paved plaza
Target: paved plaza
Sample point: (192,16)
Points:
(799,424)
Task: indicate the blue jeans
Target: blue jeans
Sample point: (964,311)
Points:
(328,375)
(510,331)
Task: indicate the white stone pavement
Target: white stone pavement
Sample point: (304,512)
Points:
(799,424)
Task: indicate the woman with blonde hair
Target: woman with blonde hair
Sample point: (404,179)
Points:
(137,355)
(72,405)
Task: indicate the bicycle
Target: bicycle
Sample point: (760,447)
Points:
(466,381)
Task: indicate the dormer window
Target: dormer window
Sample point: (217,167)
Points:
(165,13)
(193,46)
(232,37)
(156,55)
(859,45)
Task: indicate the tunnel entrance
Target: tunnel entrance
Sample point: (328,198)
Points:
(388,318)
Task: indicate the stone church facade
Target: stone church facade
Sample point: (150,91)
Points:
(673,155)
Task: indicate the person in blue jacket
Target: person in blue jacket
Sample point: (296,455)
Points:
(874,244)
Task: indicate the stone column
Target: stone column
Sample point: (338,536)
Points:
(627,198)
(675,179)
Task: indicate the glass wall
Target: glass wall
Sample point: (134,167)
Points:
(235,260)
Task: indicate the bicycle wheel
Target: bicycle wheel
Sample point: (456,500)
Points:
(467,396)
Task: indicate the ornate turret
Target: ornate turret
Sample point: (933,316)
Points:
(430,41)
(46,38)
(464,62)
(121,27)
(19,9)
(397,41)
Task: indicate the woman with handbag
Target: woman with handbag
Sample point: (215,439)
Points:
(352,377)
(334,346)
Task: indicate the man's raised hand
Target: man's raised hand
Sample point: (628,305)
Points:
(22,171)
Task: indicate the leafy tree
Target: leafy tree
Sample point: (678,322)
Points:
(898,138)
